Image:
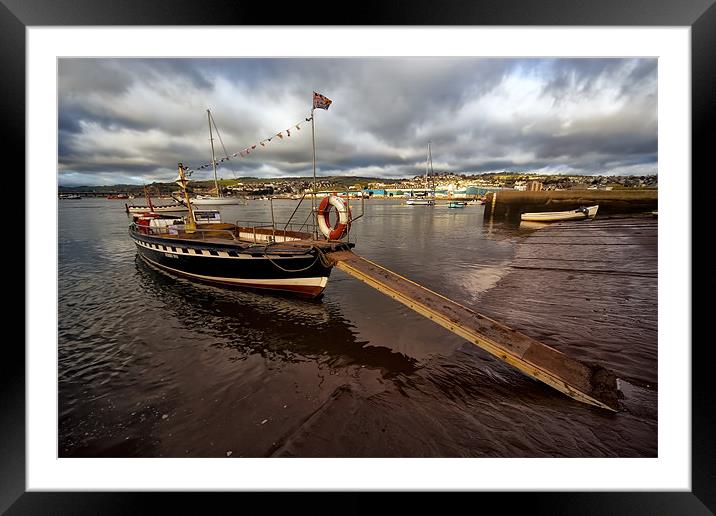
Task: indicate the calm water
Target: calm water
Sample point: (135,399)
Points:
(151,365)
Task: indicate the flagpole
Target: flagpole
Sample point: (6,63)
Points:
(313,196)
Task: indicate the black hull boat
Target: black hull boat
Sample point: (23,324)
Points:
(283,261)
(259,256)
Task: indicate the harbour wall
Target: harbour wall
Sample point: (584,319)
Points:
(510,204)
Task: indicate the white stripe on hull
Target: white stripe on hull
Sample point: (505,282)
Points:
(320,282)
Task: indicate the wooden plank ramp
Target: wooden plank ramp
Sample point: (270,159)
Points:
(588,383)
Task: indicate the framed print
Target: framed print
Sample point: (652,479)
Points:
(493,170)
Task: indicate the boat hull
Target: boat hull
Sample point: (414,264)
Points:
(157,209)
(220,201)
(557,216)
(301,274)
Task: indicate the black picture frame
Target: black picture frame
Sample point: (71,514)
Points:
(700,15)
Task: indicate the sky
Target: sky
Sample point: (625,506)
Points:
(132,120)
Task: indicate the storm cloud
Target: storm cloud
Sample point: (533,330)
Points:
(132,120)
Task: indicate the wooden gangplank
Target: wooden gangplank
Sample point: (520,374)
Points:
(590,384)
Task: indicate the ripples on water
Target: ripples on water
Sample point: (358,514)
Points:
(153,365)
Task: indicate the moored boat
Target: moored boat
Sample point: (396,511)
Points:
(150,207)
(581,213)
(426,198)
(457,204)
(170,208)
(260,256)
(420,201)
(214,200)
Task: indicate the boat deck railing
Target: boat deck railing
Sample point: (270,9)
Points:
(245,231)
(199,233)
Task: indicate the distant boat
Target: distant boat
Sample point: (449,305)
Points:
(118,196)
(425,199)
(172,208)
(214,200)
(218,199)
(457,204)
(150,207)
(420,201)
(70,196)
(555,216)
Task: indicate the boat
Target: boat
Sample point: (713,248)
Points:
(118,196)
(218,199)
(70,196)
(457,204)
(580,213)
(169,208)
(150,207)
(261,256)
(420,201)
(424,198)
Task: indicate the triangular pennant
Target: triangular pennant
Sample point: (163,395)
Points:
(253,147)
(288,132)
(279,135)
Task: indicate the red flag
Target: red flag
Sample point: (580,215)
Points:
(320,102)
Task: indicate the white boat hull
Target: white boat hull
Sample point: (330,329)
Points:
(157,209)
(216,201)
(556,216)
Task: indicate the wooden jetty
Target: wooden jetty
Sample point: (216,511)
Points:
(510,204)
(590,384)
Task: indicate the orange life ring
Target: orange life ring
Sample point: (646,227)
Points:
(343,224)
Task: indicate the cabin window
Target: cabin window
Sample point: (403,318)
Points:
(213,253)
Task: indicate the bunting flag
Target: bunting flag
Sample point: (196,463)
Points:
(245,152)
(321,102)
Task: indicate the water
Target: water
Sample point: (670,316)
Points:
(151,365)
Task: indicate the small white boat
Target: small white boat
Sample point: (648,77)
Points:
(420,201)
(211,200)
(555,216)
(173,208)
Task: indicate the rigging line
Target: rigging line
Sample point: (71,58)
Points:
(190,170)
(219,135)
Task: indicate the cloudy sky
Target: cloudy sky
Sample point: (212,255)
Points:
(132,120)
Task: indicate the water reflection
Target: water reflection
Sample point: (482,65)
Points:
(277,327)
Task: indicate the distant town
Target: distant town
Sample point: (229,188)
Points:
(445,184)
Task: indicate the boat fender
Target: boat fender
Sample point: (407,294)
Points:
(343,223)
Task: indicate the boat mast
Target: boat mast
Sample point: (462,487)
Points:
(182,181)
(427,159)
(213,156)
